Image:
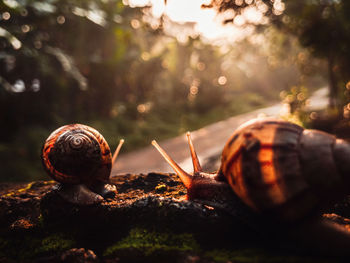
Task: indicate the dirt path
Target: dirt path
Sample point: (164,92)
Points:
(209,141)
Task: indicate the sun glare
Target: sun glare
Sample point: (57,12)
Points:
(187,11)
(196,20)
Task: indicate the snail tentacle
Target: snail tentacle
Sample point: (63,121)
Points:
(185,177)
(195,161)
(115,155)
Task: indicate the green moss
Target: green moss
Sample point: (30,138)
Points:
(41,220)
(147,243)
(3,245)
(161,188)
(257,255)
(29,247)
(18,191)
(54,243)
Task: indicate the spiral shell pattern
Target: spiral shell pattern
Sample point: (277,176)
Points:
(77,153)
(76,142)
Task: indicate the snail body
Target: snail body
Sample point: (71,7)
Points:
(277,169)
(79,158)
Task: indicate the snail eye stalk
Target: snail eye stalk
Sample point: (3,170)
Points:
(185,177)
(196,165)
(115,155)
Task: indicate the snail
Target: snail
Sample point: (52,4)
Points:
(282,171)
(79,158)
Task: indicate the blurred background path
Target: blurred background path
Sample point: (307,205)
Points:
(209,141)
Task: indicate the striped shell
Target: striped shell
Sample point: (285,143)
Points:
(279,167)
(75,154)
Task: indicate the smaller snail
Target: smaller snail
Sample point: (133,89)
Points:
(283,172)
(79,158)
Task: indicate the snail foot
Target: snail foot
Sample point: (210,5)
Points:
(105,190)
(78,194)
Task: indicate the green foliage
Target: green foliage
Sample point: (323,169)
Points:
(295,101)
(323,27)
(148,243)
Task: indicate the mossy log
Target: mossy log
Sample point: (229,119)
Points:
(148,221)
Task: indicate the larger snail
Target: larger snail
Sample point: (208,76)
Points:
(79,158)
(282,170)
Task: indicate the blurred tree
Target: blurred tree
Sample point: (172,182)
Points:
(44,57)
(320,25)
(324,27)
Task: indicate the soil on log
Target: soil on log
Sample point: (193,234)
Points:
(149,221)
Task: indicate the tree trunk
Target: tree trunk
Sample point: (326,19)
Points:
(333,88)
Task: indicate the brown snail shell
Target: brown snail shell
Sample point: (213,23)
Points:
(277,166)
(77,154)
